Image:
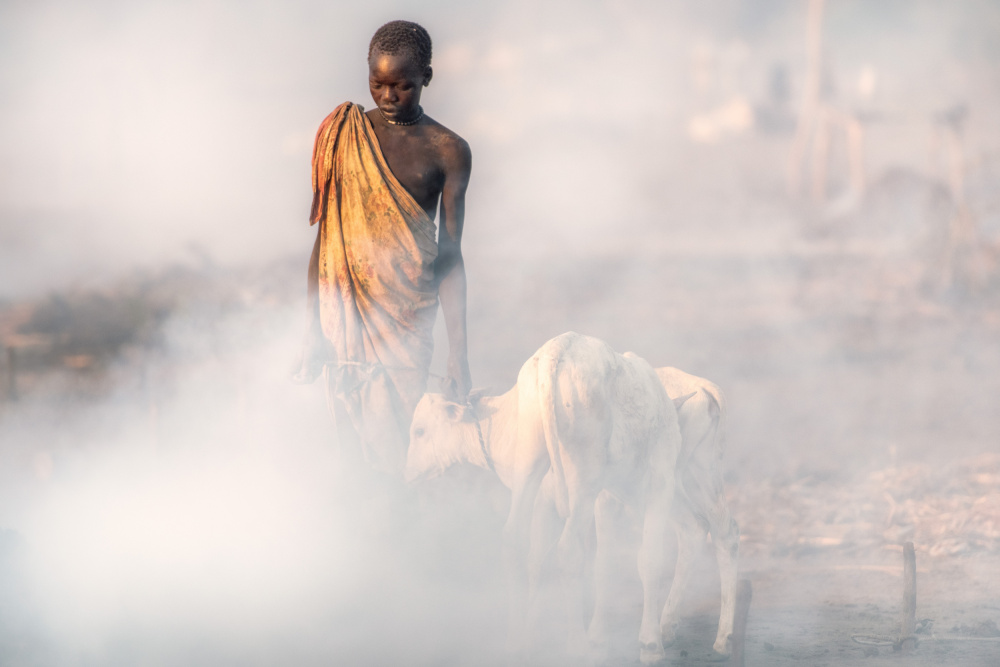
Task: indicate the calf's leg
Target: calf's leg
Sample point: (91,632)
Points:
(705,491)
(726,538)
(515,549)
(607,516)
(572,554)
(652,567)
(546,527)
(690,540)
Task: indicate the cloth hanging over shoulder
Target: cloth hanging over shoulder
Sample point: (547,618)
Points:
(378,300)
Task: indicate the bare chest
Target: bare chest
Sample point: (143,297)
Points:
(414,163)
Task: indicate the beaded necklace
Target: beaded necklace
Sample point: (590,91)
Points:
(420,114)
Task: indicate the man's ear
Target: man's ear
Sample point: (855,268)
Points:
(428,75)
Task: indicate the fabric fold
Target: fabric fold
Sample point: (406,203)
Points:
(378,300)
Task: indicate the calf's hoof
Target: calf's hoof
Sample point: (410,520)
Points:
(597,640)
(597,652)
(651,653)
(578,646)
(668,633)
(723,647)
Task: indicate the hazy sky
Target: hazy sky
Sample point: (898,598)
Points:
(133,133)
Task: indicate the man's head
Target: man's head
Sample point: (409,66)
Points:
(399,66)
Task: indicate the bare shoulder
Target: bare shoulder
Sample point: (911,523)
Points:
(453,151)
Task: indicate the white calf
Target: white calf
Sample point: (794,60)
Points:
(592,423)
(699,507)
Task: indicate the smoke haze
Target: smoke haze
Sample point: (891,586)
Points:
(167,497)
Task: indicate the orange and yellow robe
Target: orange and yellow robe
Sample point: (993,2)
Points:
(377,294)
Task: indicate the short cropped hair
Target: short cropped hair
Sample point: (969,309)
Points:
(397,37)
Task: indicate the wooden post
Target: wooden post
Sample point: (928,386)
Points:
(821,154)
(744,592)
(907,642)
(11,374)
(810,98)
(856,155)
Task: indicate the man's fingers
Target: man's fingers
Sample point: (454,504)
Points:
(449,389)
(455,390)
(305,376)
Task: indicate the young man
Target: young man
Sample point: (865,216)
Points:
(376,270)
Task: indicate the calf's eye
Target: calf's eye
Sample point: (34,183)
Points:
(418,433)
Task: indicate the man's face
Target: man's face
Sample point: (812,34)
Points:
(395,83)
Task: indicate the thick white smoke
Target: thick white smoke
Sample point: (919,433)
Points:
(192,509)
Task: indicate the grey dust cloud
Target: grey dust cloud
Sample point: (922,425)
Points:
(809,218)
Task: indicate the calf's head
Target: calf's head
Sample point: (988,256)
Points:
(439,437)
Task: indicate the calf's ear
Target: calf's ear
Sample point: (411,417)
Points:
(476,395)
(681,400)
(454,411)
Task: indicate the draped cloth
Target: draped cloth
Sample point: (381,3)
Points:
(377,296)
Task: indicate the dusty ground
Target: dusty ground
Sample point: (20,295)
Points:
(862,392)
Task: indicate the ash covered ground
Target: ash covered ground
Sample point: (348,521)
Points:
(156,444)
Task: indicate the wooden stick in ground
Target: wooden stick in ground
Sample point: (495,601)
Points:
(811,96)
(856,154)
(11,374)
(907,641)
(743,594)
(821,154)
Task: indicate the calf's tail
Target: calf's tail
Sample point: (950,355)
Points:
(696,491)
(548,399)
(719,413)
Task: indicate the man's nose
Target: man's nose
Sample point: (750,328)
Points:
(389,94)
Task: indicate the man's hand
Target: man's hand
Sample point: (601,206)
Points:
(315,354)
(307,374)
(458,384)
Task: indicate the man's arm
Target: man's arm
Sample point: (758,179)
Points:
(449,269)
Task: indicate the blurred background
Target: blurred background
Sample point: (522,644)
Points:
(797,199)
